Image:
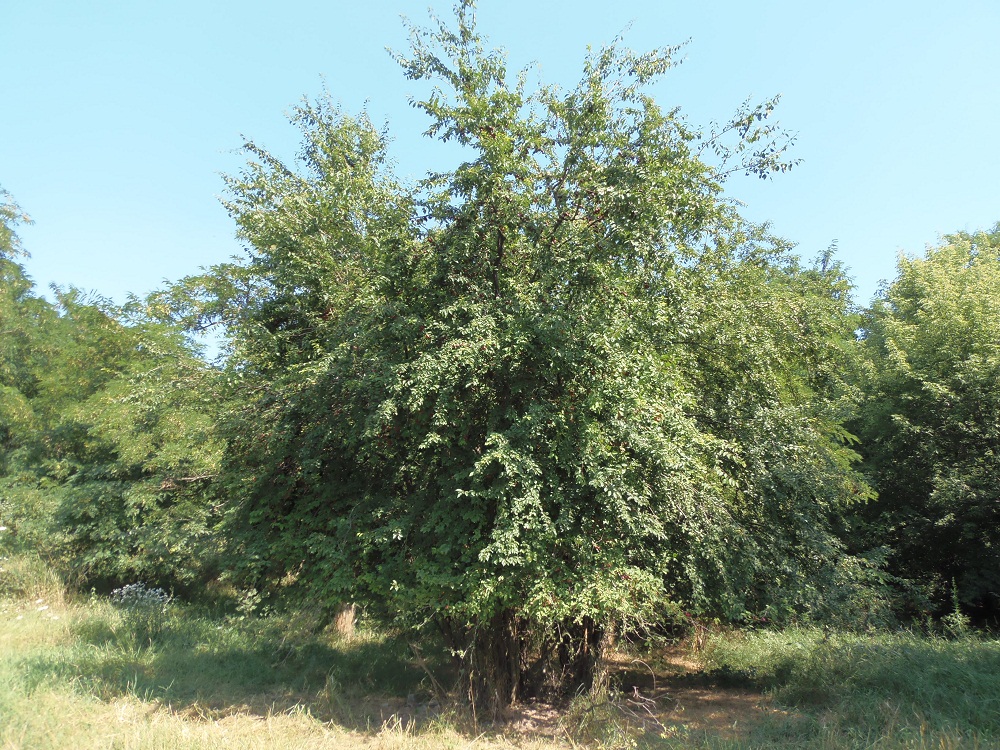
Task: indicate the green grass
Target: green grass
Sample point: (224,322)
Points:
(25,576)
(885,690)
(210,664)
(72,675)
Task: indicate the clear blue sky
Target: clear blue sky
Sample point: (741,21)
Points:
(118,116)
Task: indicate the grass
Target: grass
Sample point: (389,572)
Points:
(881,690)
(72,674)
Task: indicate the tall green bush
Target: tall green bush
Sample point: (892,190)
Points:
(107,435)
(560,389)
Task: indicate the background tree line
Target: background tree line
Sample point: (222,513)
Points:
(560,392)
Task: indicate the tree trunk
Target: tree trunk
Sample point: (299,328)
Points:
(494,665)
(581,657)
(344,620)
(506,659)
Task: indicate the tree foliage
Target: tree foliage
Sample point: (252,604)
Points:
(20,318)
(107,435)
(560,389)
(930,422)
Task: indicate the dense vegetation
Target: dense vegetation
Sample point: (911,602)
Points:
(559,393)
(929,421)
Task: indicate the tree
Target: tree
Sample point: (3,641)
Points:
(560,390)
(930,420)
(20,318)
(107,437)
(142,504)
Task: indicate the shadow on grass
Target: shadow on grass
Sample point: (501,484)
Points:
(885,684)
(204,668)
(841,691)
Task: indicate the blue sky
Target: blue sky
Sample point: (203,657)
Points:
(117,117)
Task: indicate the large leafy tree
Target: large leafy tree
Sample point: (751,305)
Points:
(931,420)
(562,388)
(140,503)
(107,439)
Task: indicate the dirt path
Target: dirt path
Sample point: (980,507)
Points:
(673,696)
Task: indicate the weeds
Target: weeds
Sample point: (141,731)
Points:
(27,577)
(143,611)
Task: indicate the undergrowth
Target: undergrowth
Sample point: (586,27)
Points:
(96,674)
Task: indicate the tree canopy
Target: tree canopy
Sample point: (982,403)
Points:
(561,389)
(107,434)
(930,421)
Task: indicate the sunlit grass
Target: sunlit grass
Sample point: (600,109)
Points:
(72,675)
(26,577)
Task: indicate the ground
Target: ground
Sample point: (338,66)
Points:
(72,674)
